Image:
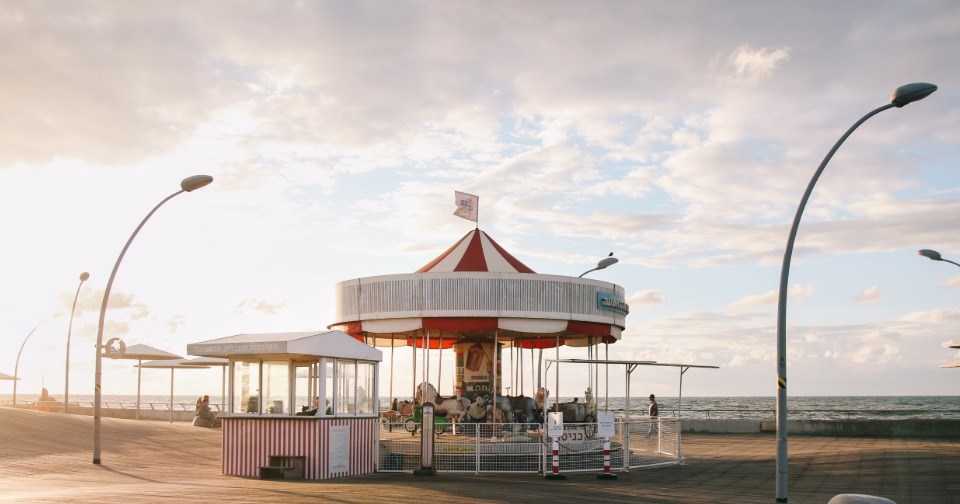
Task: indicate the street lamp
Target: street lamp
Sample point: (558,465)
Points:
(16,367)
(901,96)
(66,384)
(934,255)
(606,261)
(186,185)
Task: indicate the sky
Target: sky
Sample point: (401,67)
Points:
(678,135)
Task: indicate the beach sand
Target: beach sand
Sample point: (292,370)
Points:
(46,457)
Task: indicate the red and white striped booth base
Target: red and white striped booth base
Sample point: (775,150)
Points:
(248,444)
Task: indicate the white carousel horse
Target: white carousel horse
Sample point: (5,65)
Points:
(510,405)
(454,408)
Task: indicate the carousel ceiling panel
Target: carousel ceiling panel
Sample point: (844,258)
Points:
(527,325)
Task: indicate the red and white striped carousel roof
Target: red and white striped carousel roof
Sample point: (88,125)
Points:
(476,251)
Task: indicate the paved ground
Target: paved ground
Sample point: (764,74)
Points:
(46,457)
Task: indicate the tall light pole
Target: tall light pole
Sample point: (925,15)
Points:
(934,256)
(603,263)
(16,367)
(901,96)
(186,185)
(66,384)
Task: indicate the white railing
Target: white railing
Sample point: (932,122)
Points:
(522,448)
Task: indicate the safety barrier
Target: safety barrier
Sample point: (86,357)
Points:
(523,448)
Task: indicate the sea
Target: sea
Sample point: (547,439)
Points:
(762,408)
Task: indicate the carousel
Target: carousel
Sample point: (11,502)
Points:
(488,308)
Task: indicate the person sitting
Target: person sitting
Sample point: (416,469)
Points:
(204,417)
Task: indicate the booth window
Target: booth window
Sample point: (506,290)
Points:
(246,387)
(365,388)
(276,387)
(346,387)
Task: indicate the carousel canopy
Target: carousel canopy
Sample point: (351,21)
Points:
(476,251)
(477,288)
(295,345)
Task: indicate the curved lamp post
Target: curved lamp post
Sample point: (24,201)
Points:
(186,185)
(603,263)
(901,96)
(66,373)
(16,367)
(934,256)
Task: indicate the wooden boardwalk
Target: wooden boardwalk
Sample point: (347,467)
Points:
(46,457)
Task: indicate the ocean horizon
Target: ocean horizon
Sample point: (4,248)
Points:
(734,407)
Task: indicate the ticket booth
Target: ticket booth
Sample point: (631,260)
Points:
(304,402)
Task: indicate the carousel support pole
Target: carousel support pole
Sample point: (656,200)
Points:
(532,368)
(440,366)
(426,360)
(606,376)
(392,346)
(556,398)
(540,381)
(413,347)
(496,360)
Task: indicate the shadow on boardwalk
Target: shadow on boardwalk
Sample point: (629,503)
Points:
(46,457)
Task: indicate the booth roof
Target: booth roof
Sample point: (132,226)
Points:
(336,344)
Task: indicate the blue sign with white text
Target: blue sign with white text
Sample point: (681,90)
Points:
(612,302)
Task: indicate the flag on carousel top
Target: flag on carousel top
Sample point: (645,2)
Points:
(467,206)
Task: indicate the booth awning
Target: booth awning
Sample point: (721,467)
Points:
(336,344)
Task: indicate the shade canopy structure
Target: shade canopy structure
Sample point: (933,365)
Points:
(140,353)
(478,288)
(5,376)
(172,365)
(955,364)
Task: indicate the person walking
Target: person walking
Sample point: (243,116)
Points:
(654,412)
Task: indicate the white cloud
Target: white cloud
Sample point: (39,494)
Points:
(751,65)
(933,316)
(952,282)
(771,297)
(646,297)
(870,295)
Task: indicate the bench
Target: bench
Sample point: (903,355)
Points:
(284,467)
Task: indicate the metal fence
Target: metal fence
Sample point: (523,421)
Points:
(523,448)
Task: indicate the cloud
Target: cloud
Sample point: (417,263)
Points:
(878,347)
(771,297)
(261,305)
(933,316)
(952,282)
(752,65)
(871,295)
(646,297)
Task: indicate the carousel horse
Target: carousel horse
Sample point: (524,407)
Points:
(529,407)
(454,408)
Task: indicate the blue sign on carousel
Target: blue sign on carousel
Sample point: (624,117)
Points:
(612,302)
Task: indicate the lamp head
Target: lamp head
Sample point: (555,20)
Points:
(84,276)
(607,261)
(911,92)
(195,182)
(932,254)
